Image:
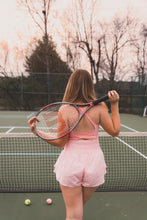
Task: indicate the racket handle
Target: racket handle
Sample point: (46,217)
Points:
(102,99)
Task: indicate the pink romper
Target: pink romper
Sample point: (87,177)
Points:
(82,161)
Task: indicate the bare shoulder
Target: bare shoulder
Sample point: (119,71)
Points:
(103,106)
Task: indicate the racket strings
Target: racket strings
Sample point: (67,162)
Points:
(48,120)
(57,120)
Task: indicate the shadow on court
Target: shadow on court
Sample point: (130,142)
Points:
(103,206)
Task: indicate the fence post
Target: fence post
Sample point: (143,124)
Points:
(48,87)
(131,95)
(21,92)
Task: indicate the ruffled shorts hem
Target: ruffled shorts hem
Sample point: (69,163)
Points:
(81,163)
(101,182)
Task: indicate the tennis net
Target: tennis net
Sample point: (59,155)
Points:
(27,163)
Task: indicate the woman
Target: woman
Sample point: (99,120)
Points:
(81,167)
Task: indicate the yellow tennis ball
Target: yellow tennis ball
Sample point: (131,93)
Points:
(27,202)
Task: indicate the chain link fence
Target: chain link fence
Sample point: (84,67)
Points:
(34,90)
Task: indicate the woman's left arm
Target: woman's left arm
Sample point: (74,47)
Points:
(58,143)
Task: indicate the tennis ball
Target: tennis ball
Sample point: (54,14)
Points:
(49,201)
(27,202)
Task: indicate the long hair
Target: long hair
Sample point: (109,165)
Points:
(80,87)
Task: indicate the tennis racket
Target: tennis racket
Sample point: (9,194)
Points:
(58,119)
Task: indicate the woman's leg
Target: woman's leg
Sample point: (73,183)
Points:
(87,193)
(73,198)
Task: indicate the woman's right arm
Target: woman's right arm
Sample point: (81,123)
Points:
(111,124)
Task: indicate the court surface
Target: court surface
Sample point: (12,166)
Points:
(103,205)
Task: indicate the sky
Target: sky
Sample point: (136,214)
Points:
(17,28)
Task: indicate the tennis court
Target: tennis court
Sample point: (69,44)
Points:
(26,166)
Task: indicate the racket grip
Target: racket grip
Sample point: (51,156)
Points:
(102,99)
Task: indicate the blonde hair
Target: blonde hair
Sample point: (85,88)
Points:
(80,87)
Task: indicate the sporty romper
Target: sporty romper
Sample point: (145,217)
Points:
(82,161)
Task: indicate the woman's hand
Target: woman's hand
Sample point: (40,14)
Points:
(32,124)
(113,96)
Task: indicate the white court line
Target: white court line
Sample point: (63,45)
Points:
(128,145)
(29,116)
(12,116)
(29,154)
(14,127)
(131,129)
(10,130)
(100,128)
(132,148)
(119,139)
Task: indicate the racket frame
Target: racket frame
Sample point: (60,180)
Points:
(76,105)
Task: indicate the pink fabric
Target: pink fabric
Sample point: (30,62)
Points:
(92,134)
(82,161)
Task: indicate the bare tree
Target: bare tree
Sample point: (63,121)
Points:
(140,50)
(84,33)
(4,58)
(115,41)
(39,11)
(72,56)
(70,51)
